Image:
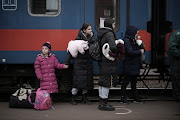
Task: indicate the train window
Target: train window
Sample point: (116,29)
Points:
(104,9)
(44,7)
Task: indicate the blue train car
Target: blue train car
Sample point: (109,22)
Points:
(27,24)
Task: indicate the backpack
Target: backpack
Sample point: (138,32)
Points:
(95,51)
(42,100)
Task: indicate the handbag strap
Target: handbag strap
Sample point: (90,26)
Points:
(18,92)
(29,98)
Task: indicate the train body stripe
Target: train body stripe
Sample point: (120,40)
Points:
(146,38)
(33,39)
(27,57)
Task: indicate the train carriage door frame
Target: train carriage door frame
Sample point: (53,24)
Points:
(105,9)
(95,11)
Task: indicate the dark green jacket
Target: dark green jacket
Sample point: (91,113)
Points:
(174,44)
(174,53)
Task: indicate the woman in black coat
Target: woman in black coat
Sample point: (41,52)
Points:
(82,66)
(132,63)
(108,68)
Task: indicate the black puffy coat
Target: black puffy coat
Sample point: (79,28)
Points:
(82,66)
(132,62)
(108,68)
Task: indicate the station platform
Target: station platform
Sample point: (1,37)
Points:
(150,110)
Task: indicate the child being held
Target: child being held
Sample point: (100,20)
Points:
(141,46)
(45,65)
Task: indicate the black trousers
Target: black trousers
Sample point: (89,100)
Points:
(126,81)
(176,86)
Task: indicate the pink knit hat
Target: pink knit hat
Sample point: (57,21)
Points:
(47,44)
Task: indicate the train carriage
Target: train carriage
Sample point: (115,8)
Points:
(26,24)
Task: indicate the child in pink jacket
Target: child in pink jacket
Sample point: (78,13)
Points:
(45,65)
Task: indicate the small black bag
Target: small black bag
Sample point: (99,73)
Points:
(20,99)
(95,51)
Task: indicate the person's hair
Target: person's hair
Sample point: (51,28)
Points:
(85,26)
(108,22)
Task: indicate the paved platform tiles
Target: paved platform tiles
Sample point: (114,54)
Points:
(150,110)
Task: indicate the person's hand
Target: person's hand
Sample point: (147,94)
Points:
(142,51)
(66,66)
(121,57)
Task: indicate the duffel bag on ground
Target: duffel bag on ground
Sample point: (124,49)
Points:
(20,99)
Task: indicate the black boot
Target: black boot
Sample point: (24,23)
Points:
(85,100)
(137,99)
(124,100)
(103,105)
(73,100)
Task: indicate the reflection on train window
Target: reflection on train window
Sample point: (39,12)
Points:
(44,7)
(104,9)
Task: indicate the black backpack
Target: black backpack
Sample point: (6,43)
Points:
(95,51)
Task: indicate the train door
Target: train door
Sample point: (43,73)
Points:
(95,12)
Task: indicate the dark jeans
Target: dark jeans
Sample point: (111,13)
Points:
(126,81)
(176,86)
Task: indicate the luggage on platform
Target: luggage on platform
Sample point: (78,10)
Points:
(42,99)
(20,98)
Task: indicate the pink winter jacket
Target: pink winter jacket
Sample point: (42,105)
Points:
(45,71)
